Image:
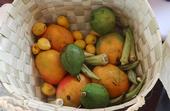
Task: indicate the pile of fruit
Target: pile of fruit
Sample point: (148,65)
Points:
(92,71)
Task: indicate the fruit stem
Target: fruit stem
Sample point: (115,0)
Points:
(126,48)
(78,77)
(139,79)
(88,72)
(100,59)
(83,94)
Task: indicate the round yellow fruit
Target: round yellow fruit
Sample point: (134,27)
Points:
(80,43)
(90,49)
(35,49)
(44,44)
(90,39)
(39,28)
(77,35)
(48,89)
(94,33)
(63,21)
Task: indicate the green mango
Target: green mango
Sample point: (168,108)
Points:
(72,59)
(94,96)
(103,20)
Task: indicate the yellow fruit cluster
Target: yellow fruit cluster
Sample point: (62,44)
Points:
(87,43)
(42,44)
(40,28)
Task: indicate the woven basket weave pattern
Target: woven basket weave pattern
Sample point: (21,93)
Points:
(18,73)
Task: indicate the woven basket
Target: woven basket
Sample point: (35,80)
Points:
(17,72)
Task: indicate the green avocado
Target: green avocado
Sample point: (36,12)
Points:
(72,59)
(94,96)
(103,20)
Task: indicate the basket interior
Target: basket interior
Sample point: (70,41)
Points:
(18,73)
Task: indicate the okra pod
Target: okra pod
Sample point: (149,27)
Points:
(132,77)
(117,100)
(126,48)
(132,55)
(100,59)
(132,87)
(89,73)
(129,66)
(134,92)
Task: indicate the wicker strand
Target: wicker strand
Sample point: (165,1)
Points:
(6,103)
(140,102)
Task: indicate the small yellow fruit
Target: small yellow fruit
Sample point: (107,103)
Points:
(77,35)
(39,28)
(43,44)
(48,89)
(90,49)
(63,21)
(80,43)
(35,49)
(90,39)
(94,33)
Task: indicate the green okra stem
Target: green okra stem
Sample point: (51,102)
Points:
(139,79)
(126,48)
(132,77)
(132,55)
(88,72)
(117,100)
(132,87)
(83,94)
(78,77)
(100,59)
(129,66)
(135,91)
(88,54)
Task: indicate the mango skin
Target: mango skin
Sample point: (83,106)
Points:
(49,66)
(58,36)
(112,45)
(96,96)
(69,89)
(114,80)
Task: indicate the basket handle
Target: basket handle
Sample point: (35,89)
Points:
(139,103)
